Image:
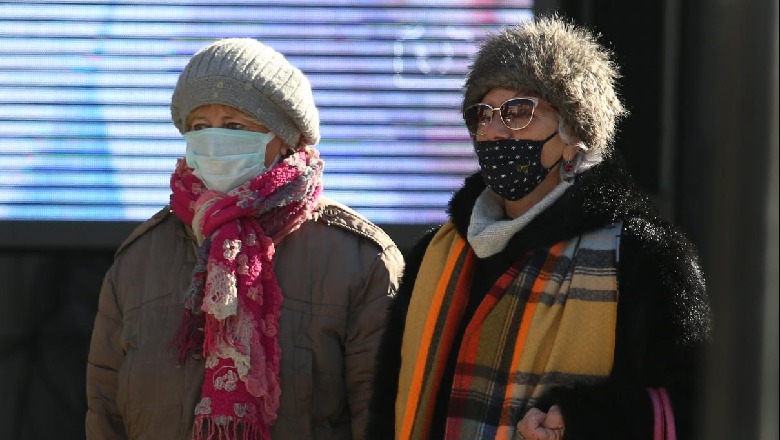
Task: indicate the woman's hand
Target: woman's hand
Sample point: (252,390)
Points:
(538,425)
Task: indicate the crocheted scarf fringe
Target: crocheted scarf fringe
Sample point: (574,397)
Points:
(232,309)
(204,429)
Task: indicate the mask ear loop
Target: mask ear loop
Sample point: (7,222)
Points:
(559,159)
(289,151)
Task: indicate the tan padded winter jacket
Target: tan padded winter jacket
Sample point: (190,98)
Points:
(336,273)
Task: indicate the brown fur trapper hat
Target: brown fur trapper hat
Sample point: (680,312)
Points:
(562,63)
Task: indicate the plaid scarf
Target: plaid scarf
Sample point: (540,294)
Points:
(232,309)
(549,320)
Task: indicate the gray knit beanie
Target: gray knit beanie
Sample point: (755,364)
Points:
(562,63)
(254,78)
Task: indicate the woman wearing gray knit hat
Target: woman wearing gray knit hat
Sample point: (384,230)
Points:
(555,303)
(251,307)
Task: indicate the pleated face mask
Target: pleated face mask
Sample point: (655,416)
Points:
(223,158)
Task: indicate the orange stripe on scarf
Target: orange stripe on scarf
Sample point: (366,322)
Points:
(504,431)
(547,321)
(414,379)
(530,308)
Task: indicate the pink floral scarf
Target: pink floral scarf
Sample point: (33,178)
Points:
(231,313)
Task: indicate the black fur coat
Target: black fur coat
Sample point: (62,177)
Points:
(663,310)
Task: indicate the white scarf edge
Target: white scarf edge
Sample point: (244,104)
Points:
(489,232)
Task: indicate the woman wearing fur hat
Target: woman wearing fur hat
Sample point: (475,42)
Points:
(555,295)
(250,307)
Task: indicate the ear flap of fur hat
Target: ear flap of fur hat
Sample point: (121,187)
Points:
(562,63)
(254,78)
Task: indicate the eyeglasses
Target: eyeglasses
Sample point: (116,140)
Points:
(516,114)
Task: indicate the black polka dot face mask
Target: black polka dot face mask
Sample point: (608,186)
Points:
(512,168)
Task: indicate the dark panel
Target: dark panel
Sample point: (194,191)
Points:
(634,32)
(729,148)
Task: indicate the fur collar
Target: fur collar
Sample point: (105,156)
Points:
(599,196)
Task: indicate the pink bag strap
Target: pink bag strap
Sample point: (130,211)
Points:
(666,404)
(663,416)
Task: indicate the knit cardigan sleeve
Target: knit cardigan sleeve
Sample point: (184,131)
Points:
(662,332)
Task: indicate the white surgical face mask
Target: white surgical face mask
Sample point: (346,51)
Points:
(224,159)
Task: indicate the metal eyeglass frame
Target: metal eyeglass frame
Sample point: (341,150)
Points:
(533,99)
